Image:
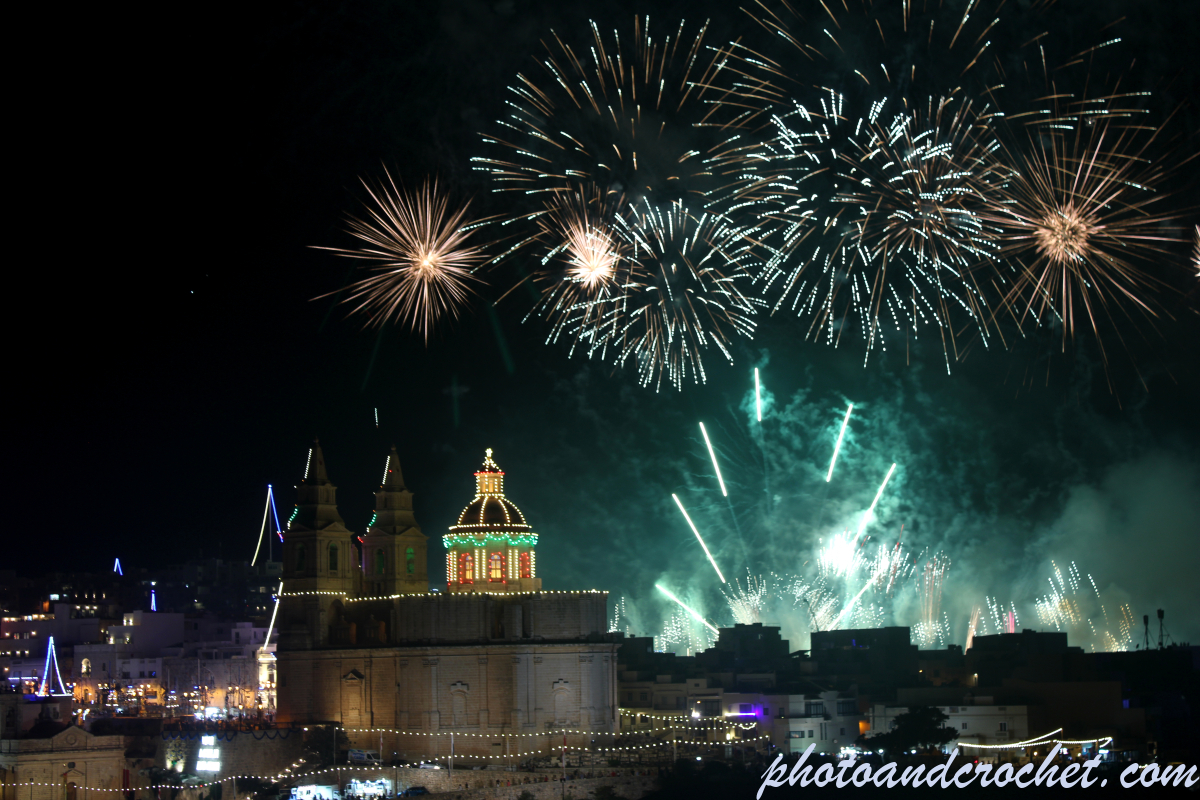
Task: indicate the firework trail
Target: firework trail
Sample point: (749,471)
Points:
(680,633)
(1070,607)
(619,622)
(418,254)
(972,628)
(838,444)
(1195,252)
(929,589)
(692,612)
(1081,217)
(700,539)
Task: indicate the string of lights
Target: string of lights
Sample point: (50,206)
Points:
(345,598)
(277,777)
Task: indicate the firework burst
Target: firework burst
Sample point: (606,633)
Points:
(635,115)
(746,602)
(1082,221)
(684,293)
(420,261)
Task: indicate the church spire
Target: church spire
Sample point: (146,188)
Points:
(314,470)
(393,500)
(393,479)
(316,496)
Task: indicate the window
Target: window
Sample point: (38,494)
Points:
(85,667)
(1003,726)
(767,711)
(814,709)
(466,568)
(380,562)
(841,731)
(525,566)
(495,567)
(745,708)
(410,561)
(811,733)
(964,727)
(846,708)
(300,558)
(333,565)
(710,708)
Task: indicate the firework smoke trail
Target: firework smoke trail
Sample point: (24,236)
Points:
(418,253)
(838,444)
(692,525)
(1081,216)
(972,628)
(695,615)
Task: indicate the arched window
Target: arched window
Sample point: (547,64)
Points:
(466,568)
(85,667)
(333,558)
(410,561)
(496,567)
(380,562)
(526,570)
(299,558)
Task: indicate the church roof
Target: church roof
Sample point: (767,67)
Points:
(490,510)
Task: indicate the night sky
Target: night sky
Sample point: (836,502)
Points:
(171,362)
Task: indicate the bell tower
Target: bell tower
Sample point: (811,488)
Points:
(319,563)
(394,559)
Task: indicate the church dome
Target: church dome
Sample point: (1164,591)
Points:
(490,510)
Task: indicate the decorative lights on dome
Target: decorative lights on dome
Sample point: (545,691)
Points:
(491,516)
(491,544)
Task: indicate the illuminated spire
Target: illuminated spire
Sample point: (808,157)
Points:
(393,479)
(393,500)
(314,471)
(490,478)
(316,496)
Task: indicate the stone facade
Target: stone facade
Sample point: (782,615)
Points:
(71,765)
(401,671)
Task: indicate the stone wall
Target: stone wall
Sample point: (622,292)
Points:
(238,752)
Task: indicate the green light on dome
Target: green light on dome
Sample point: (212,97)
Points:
(510,539)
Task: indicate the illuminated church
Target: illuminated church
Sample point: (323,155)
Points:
(364,642)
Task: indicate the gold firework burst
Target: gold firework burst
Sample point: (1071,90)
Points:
(1081,218)
(420,262)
